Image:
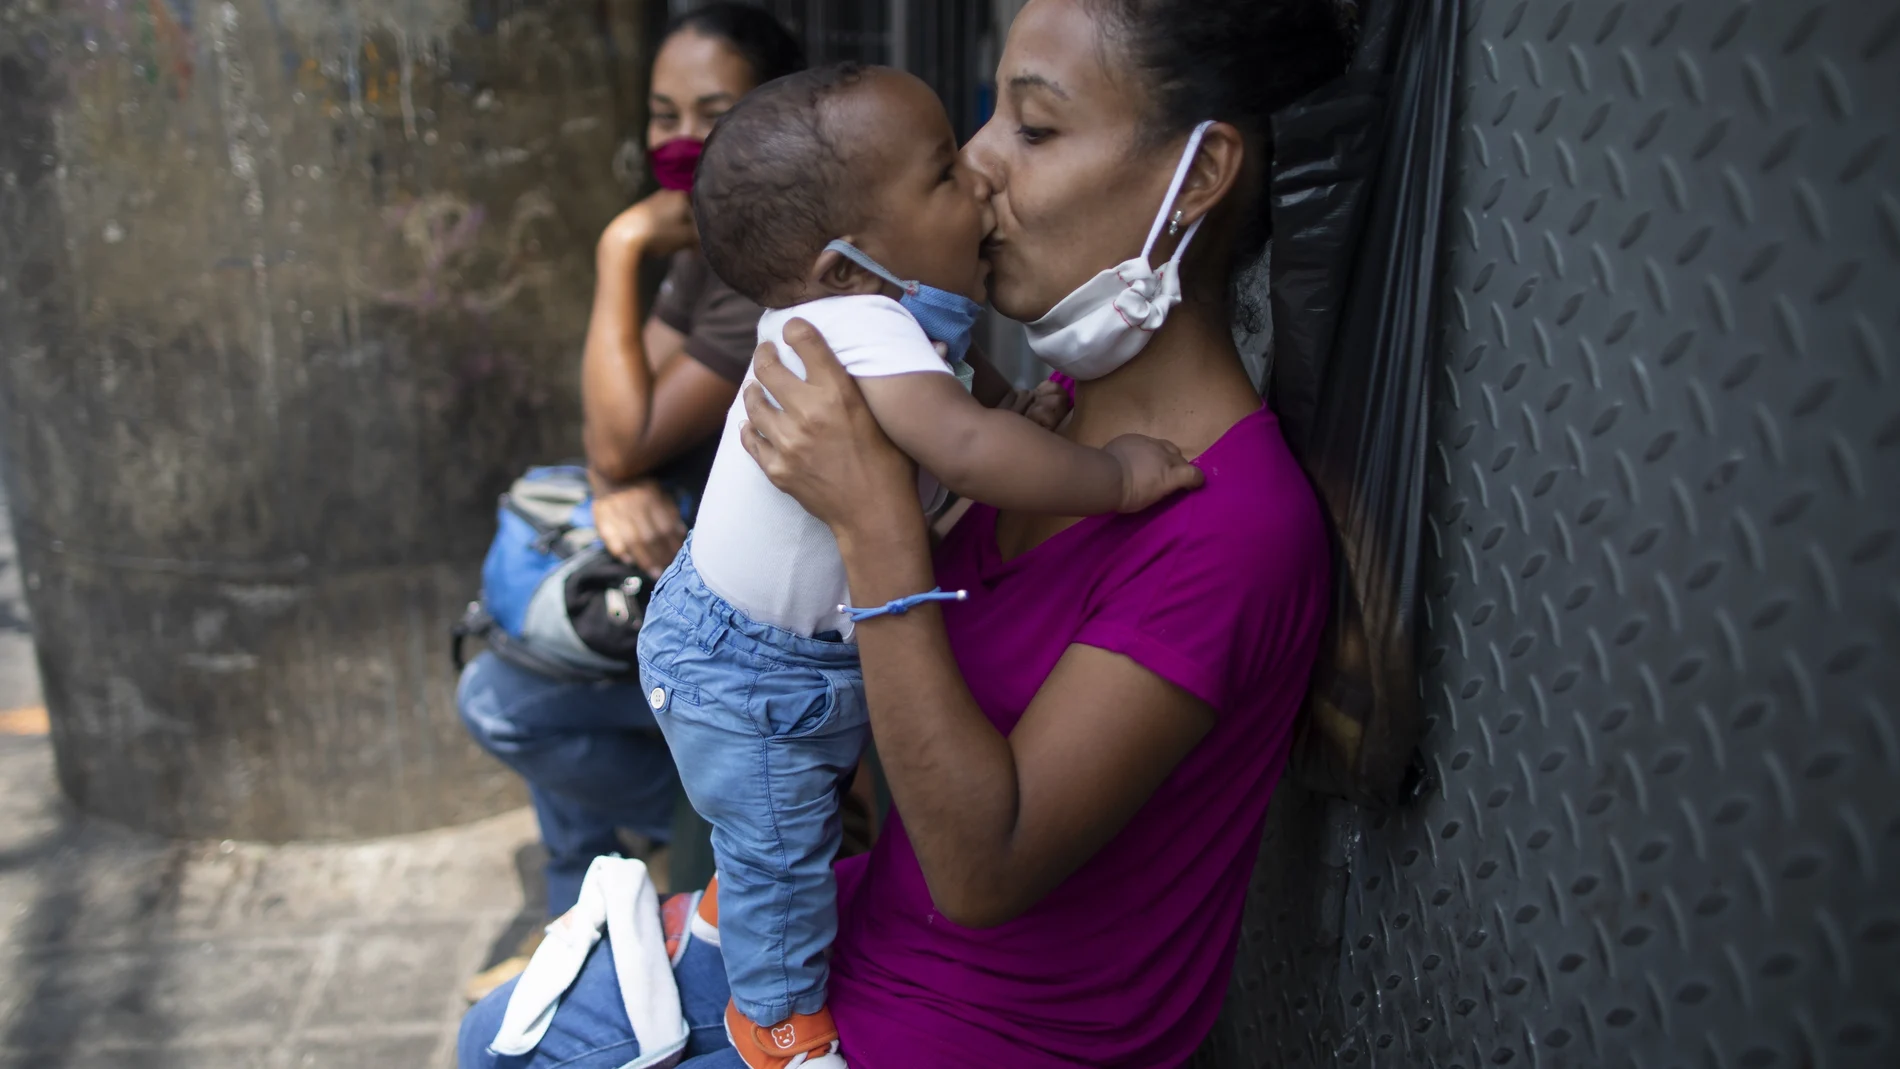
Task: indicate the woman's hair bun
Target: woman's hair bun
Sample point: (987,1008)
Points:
(1237,61)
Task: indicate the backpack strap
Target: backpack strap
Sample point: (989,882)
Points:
(476,623)
(522,656)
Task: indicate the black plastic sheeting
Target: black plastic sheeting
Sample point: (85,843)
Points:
(1357,202)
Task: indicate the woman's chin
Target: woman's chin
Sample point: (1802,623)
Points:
(1012,303)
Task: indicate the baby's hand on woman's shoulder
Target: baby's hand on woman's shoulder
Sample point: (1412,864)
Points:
(1151,470)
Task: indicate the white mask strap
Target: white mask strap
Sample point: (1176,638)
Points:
(1174,191)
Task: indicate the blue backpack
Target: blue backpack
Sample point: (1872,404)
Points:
(554,601)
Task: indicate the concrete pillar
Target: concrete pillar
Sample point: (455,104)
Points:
(289,290)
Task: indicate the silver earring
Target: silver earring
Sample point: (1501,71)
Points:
(1174,225)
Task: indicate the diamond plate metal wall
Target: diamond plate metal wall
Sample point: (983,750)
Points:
(1663,580)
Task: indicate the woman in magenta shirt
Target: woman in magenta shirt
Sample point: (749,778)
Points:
(1080,756)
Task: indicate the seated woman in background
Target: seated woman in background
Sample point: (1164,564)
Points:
(1081,754)
(655,394)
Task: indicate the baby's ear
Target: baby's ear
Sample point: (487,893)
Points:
(836,275)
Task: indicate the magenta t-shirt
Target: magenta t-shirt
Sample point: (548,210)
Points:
(1222,592)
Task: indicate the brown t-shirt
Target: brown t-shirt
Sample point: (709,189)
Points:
(721,327)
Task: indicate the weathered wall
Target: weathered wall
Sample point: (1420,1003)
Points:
(288,291)
(1662,579)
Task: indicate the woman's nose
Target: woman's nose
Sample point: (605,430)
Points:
(981,162)
(980,184)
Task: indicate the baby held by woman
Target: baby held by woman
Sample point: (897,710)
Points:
(834,196)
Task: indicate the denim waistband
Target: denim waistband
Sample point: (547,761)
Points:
(712,619)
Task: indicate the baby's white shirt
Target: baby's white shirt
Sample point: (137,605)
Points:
(753,544)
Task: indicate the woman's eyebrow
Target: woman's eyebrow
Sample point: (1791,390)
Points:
(1037,81)
(714,98)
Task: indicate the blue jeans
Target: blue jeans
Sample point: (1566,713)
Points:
(764,726)
(591,753)
(591,1031)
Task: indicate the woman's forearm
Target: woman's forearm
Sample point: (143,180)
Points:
(997,820)
(616,383)
(952,774)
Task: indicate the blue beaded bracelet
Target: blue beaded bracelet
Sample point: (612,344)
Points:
(903,605)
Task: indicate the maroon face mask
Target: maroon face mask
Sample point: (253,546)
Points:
(675,162)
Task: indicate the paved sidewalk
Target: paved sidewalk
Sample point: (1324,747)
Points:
(127,951)
(122,950)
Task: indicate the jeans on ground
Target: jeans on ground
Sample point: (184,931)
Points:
(764,726)
(591,1031)
(591,753)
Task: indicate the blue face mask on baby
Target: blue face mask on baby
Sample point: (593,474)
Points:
(946,317)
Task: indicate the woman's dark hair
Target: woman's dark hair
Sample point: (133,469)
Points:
(760,39)
(1237,61)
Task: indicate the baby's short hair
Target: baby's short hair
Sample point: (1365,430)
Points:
(773,185)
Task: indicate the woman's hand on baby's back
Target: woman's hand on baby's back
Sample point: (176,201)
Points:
(1047,406)
(1151,470)
(821,444)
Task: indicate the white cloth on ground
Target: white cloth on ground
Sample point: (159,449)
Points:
(754,545)
(617,896)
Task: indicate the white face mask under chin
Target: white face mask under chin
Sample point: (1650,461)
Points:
(1103,324)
